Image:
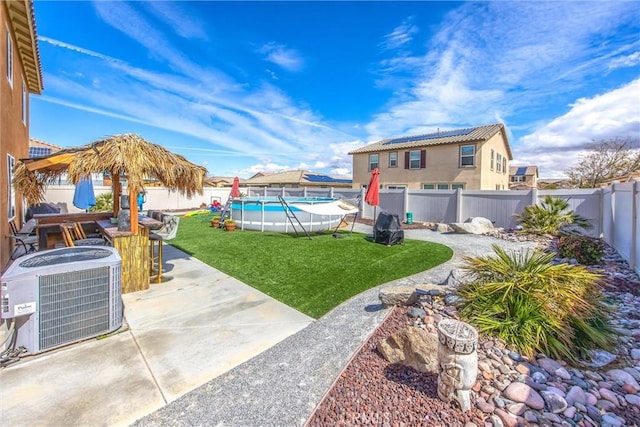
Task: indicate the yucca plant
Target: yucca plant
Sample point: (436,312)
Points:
(550,217)
(534,305)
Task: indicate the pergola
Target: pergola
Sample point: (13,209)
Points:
(125,155)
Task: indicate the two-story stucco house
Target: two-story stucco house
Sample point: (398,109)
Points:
(474,158)
(20,75)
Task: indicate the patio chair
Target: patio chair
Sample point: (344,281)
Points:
(168,231)
(73,238)
(25,241)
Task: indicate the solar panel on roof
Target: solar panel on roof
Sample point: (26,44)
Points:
(457,132)
(39,151)
(324,178)
(521,171)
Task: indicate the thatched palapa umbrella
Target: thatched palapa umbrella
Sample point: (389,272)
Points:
(127,155)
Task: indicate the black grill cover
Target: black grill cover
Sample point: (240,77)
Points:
(387,229)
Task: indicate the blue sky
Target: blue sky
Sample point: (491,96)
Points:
(242,87)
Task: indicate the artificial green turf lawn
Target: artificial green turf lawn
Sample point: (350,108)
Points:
(312,276)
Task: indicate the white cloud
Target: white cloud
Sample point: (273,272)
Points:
(558,145)
(285,57)
(630,60)
(400,36)
(177,19)
(501,59)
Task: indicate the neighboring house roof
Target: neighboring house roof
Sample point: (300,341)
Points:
(22,16)
(456,136)
(299,177)
(225,180)
(523,170)
(39,148)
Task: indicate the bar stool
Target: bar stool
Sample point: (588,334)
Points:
(71,237)
(168,231)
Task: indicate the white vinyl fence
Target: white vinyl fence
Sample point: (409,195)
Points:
(613,211)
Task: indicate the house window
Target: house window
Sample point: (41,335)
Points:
(457,186)
(497,186)
(11,205)
(393,159)
(414,160)
(396,187)
(24,103)
(9,63)
(373,161)
(492,155)
(517,178)
(498,162)
(443,186)
(467,155)
(504,165)
(428,186)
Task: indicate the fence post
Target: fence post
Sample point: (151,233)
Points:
(612,227)
(330,192)
(458,204)
(634,227)
(405,196)
(534,196)
(304,192)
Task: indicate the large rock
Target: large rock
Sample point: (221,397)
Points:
(522,393)
(476,225)
(398,295)
(412,347)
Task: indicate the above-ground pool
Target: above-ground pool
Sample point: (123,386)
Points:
(267,214)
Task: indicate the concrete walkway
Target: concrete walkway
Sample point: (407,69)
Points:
(283,385)
(179,335)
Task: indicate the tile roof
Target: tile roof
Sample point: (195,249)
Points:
(300,177)
(23,21)
(455,136)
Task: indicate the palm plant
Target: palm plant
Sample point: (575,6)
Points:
(104,203)
(534,305)
(550,217)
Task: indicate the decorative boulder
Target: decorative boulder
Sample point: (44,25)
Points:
(476,225)
(398,295)
(412,347)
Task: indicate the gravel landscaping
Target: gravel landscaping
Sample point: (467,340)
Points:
(511,389)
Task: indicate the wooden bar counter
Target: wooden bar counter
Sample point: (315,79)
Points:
(48,225)
(133,249)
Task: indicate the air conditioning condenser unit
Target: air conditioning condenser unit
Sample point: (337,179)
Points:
(61,296)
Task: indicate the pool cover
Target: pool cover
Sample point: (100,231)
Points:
(388,230)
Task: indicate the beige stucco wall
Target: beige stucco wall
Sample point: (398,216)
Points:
(442,167)
(14,134)
(492,179)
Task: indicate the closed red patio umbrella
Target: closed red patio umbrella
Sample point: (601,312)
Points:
(235,188)
(373,191)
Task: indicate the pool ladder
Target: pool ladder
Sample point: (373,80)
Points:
(291,216)
(225,212)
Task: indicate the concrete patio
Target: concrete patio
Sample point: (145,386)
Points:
(177,336)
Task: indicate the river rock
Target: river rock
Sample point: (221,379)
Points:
(522,393)
(622,377)
(555,402)
(576,395)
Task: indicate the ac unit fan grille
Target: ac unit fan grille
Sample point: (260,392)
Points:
(63,256)
(73,306)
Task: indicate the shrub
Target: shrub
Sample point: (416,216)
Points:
(535,306)
(104,203)
(586,250)
(550,217)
